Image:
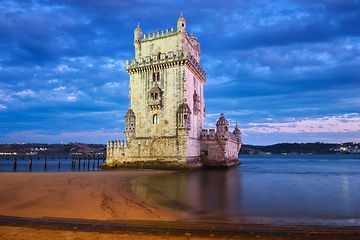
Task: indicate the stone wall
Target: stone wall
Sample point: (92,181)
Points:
(176,152)
(219,150)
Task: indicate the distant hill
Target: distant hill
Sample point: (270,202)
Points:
(302,148)
(280,148)
(43,148)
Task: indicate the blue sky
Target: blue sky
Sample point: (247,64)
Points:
(286,71)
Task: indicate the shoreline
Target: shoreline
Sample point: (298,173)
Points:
(99,202)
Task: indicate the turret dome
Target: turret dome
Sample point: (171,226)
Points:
(222,120)
(184,108)
(236,130)
(138,28)
(130,113)
(138,33)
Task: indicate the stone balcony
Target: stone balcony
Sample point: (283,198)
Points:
(155,104)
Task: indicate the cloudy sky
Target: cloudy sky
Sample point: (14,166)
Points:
(286,71)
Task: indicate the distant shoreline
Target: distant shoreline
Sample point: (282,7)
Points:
(301,148)
(279,148)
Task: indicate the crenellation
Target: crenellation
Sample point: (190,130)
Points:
(211,134)
(163,58)
(158,34)
(204,134)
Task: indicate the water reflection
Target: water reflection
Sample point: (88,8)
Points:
(318,189)
(197,194)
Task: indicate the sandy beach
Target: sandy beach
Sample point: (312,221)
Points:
(89,205)
(101,195)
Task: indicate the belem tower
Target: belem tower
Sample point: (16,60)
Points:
(164,125)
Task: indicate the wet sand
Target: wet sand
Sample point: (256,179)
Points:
(101,195)
(93,205)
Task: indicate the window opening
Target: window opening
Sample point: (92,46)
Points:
(155,119)
(158,77)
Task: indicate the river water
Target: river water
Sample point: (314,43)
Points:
(276,189)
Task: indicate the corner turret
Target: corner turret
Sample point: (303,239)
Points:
(222,125)
(181,24)
(237,133)
(138,33)
(130,121)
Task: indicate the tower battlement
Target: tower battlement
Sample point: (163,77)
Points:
(166,33)
(226,135)
(165,60)
(159,34)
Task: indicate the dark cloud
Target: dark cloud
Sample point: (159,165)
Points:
(62,64)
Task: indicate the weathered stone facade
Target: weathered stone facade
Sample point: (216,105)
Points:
(221,148)
(164,125)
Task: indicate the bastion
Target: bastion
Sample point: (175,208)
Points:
(164,125)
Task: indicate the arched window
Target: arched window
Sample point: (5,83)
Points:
(154,96)
(155,119)
(156,77)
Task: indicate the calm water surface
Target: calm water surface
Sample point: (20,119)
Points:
(278,189)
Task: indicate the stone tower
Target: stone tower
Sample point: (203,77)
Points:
(165,120)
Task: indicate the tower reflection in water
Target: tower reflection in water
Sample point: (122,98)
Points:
(206,194)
